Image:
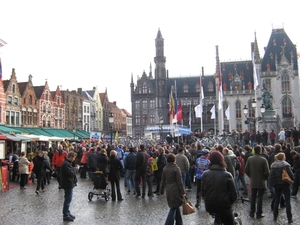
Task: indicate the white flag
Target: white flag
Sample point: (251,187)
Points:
(198,111)
(213,112)
(255,78)
(227,113)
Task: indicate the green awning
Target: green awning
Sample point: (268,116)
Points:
(8,130)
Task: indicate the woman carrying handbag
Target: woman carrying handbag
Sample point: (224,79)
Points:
(281,186)
(172,181)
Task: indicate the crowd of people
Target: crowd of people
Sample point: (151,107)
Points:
(221,174)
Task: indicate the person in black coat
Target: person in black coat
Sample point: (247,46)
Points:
(281,187)
(40,166)
(102,160)
(68,182)
(141,168)
(114,175)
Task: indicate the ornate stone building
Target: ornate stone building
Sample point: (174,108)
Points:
(277,70)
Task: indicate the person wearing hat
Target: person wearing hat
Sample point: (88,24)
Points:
(218,189)
(201,165)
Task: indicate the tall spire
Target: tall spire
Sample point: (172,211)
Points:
(254,49)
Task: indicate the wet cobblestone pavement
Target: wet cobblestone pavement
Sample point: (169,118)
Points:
(26,207)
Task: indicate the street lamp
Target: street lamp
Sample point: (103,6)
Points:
(250,119)
(111,121)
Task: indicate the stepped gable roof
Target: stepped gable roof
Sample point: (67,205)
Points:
(279,45)
(22,87)
(191,81)
(38,91)
(239,71)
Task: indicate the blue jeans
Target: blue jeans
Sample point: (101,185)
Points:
(183,178)
(256,193)
(296,183)
(242,179)
(67,202)
(286,190)
(130,174)
(236,182)
(174,214)
(271,189)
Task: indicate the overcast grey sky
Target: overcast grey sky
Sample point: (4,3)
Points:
(101,43)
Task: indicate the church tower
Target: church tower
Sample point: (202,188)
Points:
(161,76)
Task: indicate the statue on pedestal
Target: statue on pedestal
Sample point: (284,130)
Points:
(267,98)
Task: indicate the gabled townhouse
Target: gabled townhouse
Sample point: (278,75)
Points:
(106,110)
(13,97)
(117,113)
(29,104)
(44,99)
(73,101)
(98,109)
(89,112)
(126,123)
(58,108)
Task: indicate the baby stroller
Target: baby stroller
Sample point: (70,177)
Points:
(100,187)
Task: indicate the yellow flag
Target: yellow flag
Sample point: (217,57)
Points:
(117,136)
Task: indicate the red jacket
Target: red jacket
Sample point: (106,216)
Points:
(58,158)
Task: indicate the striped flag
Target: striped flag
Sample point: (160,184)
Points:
(171,107)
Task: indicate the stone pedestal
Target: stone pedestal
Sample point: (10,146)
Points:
(269,121)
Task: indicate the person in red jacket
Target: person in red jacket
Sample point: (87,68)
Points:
(59,156)
(272,137)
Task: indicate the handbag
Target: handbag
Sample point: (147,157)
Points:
(187,207)
(286,177)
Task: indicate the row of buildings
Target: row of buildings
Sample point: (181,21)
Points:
(277,72)
(24,105)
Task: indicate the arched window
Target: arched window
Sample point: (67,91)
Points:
(144,88)
(145,104)
(152,104)
(287,107)
(285,82)
(13,88)
(137,105)
(185,88)
(152,119)
(30,99)
(238,110)
(251,111)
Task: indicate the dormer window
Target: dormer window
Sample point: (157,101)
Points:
(185,88)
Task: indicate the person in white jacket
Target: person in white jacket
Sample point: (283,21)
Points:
(281,136)
(23,170)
